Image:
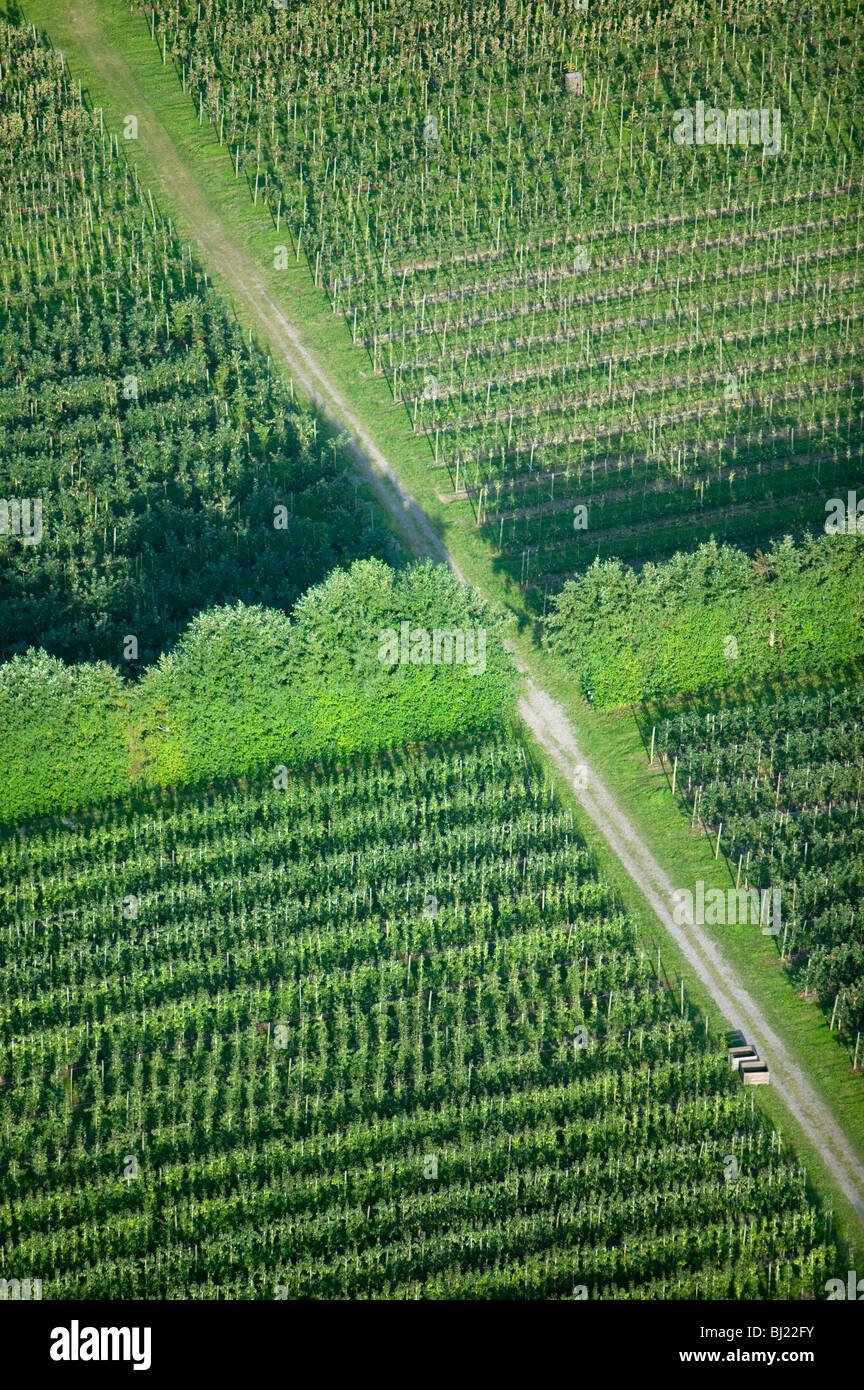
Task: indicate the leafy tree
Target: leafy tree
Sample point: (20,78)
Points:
(715,617)
(64,734)
(248,688)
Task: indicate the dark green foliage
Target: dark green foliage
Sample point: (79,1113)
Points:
(716,617)
(156,439)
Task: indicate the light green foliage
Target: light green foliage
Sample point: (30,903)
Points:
(217,704)
(667,630)
(365,703)
(248,687)
(63,735)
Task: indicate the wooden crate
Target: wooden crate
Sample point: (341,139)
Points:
(745,1053)
(755,1074)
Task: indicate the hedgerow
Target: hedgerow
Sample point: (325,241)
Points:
(248,686)
(716,617)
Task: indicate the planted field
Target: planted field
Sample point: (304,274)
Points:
(310,986)
(780,783)
(146,450)
(380,1033)
(616,342)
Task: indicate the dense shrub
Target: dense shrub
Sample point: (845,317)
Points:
(715,617)
(64,735)
(248,688)
(350,699)
(216,705)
